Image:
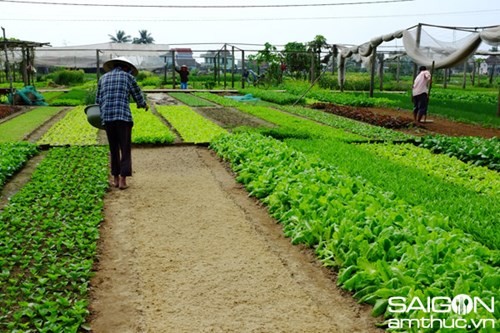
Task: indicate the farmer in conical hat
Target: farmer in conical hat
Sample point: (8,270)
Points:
(113,91)
(184,74)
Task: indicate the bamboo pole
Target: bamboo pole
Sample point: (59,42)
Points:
(373,64)
(429,93)
(498,108)
(7,66)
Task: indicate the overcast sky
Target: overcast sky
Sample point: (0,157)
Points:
(340,21)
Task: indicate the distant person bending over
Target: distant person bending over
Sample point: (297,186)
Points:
(113,91)
(246,76)
(184,73)
(420,94)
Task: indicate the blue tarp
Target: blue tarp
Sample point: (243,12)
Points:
(29,96)
(246,98)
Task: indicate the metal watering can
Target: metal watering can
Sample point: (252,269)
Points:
(93,113)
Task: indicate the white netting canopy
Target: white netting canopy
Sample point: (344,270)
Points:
(425,49)
(143,56)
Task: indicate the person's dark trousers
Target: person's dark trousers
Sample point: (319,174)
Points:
(420,105)
(120,146)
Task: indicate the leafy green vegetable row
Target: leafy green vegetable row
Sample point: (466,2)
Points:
(476,150)
(13,156)
(485,97)
(148,128)
(353,126)
(467,209)
(479,179)
(294,92)
(298,126)
(73,129)
(277,97)
(352,99)
(383,246)
(18,128)
(228,102)
(48,235)
(190,99)
(191,126)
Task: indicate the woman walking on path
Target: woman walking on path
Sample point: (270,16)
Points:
(113,91)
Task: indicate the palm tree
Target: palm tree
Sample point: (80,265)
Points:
(144,38)
(120,37)
(315,47)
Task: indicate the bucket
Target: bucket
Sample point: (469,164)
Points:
(94,116)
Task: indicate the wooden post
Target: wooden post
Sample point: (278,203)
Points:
(243,68)
(429,92)
(381,71)
(165,70)
(224,61)
(341,73)
(312,76)
(464,81)
(417,41)
(97,64)
(173,69)
(473,72)
(7,67)
(492,73)
(215,69)
(372,76)
(498,108)
(398,68)
(218,67)
(232,67)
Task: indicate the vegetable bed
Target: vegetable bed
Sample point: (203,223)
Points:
(383,246)
(18,128)
(191,126)
(48,235)
(13,156)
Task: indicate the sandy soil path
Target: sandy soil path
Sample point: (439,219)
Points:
(184,249)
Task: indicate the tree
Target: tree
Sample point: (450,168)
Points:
(144,38)
(296,58)
(315,46)
(271,58)
(120,37)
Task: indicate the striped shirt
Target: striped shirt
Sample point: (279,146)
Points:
(113,91)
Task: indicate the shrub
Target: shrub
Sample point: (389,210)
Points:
(68,77)
(143,75)
(152,81)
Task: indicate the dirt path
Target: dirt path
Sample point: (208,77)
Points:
(439,125)
(184,249)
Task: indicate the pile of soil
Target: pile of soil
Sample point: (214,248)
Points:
(7,110)
(402,120)
(365,115)
(436,124)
